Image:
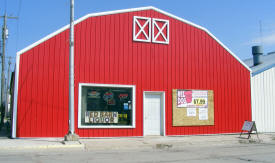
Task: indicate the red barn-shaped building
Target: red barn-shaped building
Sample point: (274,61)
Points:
(138,72)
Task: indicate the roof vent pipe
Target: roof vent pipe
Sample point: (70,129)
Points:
(257,52)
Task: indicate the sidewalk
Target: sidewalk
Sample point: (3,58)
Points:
(150,142)
(7,143)
(175,142)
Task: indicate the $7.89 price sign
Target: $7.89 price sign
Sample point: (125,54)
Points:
(192,99)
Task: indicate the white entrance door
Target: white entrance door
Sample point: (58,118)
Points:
(152,114)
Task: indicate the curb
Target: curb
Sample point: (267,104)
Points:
(63,146)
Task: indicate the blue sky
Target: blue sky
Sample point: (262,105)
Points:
(236,23)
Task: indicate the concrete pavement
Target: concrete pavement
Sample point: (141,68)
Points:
(128,143)
(173,142)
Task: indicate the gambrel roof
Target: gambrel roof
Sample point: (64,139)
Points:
(132,10)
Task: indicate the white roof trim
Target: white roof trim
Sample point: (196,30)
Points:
(132,10)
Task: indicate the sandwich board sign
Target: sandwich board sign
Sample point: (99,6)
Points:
(249,126)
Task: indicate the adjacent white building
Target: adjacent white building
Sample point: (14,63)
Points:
(263,89)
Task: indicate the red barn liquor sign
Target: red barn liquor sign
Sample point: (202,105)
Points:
(101,117)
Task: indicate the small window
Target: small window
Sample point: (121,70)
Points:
(142,29)
(160,31)
(106,106)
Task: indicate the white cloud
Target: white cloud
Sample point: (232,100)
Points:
(266,40)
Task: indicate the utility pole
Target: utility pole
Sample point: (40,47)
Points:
(7,89)
(71,136)
(4,37)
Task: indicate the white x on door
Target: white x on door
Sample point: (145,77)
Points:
(153,114)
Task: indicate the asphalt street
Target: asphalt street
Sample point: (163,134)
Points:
(206,153)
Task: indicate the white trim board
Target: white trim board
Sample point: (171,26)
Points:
(113,86)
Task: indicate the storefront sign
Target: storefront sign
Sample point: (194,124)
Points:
(109,98)
(123,96)
(93,94)
(249,126)
(192,99)
(101,117)
(193,107)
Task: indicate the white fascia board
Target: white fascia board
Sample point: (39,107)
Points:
(133,10)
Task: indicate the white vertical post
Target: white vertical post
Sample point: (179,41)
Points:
(71,73)
(71,136)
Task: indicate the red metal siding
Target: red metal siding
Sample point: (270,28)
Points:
(106,53)
(42,90)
